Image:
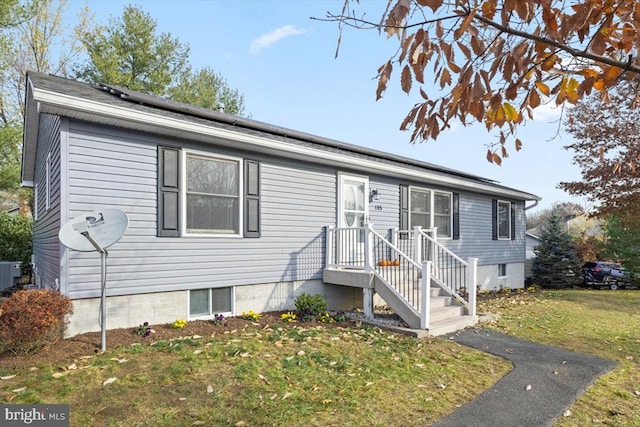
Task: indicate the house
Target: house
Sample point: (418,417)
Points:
(229,215)
(531,241)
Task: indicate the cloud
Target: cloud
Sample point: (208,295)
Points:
(273,37)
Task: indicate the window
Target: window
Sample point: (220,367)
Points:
(204,195)
(504,220)
(212,195)
(502,270)
(431,209)
(209,302)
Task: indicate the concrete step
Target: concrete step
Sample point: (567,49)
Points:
(446,326)
(450,312)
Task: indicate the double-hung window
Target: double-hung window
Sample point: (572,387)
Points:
(207,194)
(504,220)
(429,208)
(212,195)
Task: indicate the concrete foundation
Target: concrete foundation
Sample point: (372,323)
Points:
(130,311)
(488,277)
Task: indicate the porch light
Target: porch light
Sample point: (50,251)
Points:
(374,195)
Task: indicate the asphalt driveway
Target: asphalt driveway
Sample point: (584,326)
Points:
(543,383)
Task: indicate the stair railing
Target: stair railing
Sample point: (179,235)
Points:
(408,279)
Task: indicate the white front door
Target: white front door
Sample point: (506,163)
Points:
(353,212)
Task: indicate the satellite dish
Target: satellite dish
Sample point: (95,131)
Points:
(105,227)
(96,231)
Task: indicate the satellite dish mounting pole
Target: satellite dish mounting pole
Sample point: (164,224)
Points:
(83,229)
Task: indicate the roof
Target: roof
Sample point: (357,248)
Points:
(117,106)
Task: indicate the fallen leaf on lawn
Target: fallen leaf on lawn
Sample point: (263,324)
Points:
(109,381)
(301,353)
(196,337)
(72,367)
(440,385)
(630,358)
(422,386)
(325,401)
(209,389)
(241,424)
(508,350)
(566,413)
(334,363)
(287,394)
(197,351)
(262,377)
(420,365)
(198,423)
(57,375)
(182,398)
(8,377)
(278,343)
(245,355)
(273,396)
(18,390)
(351,374)
(555,372)
(368,384)
(334,339)
(528,387)
(288,359)
(637,392)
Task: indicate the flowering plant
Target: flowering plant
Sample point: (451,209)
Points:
(144,329)
(288,317)
(179,324)
(219,320)
(251,315)
(326,318)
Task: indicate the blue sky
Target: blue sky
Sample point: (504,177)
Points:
(283,62)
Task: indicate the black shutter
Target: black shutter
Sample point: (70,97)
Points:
(513,221)
(168,192)
(456,216)
(494,219)
(404,210)
(251,199)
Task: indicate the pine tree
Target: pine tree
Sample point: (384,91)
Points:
(557,264)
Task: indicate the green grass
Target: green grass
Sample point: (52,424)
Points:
(289,376)
(282,376)
(601,323)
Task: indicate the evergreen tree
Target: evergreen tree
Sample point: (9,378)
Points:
(557,264)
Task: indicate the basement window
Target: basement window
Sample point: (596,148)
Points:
(205,303)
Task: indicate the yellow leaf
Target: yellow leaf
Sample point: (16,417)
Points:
(599,85)
(511,114)
(543,88)
(611,75)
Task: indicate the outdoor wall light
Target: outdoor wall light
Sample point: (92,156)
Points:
(374,195)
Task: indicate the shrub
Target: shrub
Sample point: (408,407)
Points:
(310,307)
(31,320)
(15,238)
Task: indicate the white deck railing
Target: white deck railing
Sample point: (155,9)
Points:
(400,260)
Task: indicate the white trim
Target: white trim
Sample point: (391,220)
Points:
(505,271)
(35,202)
(61,104)
(432,214)
(340,199)
(47,178)
(213,156)
(508,220)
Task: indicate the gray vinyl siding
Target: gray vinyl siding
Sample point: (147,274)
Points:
(389,215)
(118,169)
(475,233)
(46,246)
